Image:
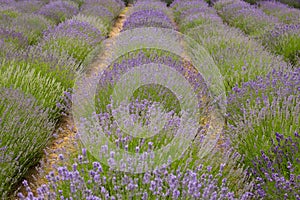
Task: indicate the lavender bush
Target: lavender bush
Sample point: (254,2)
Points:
(31,25)
(148,18)
(75,37)
(257,112)
(284,40)
(50,63)
(277,170)
(88,179)
(113,6)
(29,6)
(102,25)
(280,38)
(248,18)
(283,12)
(13,38)
(59,11)
(237,56)
(45,89)
(24,132)
(292,3)
(98,11)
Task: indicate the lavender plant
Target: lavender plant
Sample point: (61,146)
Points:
(237,56)
(248,18)
(97,11)
(102,25)
(45,89)
(255,22)
(59,11)
(283,12)
(25,130)
(113,6)
(148,18)
(13,38)
(29,6)
(257,112)
(75,37)
(31,25)
(50,63)
(284,40)
(88,179)
(277,171)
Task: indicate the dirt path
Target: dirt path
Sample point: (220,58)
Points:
(65,143)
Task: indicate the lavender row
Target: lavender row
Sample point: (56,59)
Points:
(281,38)
(292,3)
(148,14)
(185,178)
(43,72)
(284,13)
(25,130)
(88,179)
(271,95)
(238,57)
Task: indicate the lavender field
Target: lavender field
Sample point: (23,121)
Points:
(105,99)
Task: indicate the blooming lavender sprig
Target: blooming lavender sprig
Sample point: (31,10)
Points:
(59,11)
(88,179)
(25,130)
(277,171)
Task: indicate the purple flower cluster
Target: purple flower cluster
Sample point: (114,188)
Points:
(111,7)
(90,180)
(257,111)
(16,39)
(283,12)
(284,39)
(277,171)
(29,6)
(75,37)
(152,17)
(255,22)
(247,17)
(59,11)
(25,130)
(237,56)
